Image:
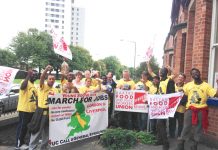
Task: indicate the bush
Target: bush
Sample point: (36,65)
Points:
(119,139)
(116,139)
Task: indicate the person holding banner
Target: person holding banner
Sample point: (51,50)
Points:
(68,87)
(154,89)
(166,86)
(88,76)
(44,91)
(143,84)
(196,115)
(126,83)
(88,87)
(26,107)
(179,115)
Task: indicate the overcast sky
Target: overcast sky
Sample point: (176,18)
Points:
(106,23)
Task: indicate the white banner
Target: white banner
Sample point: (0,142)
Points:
(131,100)
(7,76)
(163,106)
(60,46)
(74,117)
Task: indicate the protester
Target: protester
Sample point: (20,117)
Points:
(77,81)
(143,84)
(88,76)
(126,83)
(196,115)
(166,86)
(68,87)
(44,91)
(154,89)
(26,107)
(179,114)
(88,87)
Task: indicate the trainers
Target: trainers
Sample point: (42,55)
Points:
(24,147)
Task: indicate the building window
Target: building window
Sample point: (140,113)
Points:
(46,9)
(62,32)
(52,4)
(77,24)
(56,21)
(52,20)
(77,9)
(77,29)
(213,60)
(76,33)
(76,38)
(77,14)
(62,11)
(56,26)
(52,9)
(62,22)
(62,27)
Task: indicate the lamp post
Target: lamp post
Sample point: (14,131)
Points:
(134,54)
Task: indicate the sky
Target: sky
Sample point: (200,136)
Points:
(110,25)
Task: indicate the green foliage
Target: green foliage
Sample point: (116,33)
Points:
(100,66)
(143,67)
(119,139)
(113,65)
(145,138)
(7,58)
(82,60)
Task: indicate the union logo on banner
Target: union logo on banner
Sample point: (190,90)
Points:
(140,98)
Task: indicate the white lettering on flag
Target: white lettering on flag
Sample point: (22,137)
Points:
(60,46)
(7,76)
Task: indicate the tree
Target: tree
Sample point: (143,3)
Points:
(100,66)
(113,65)
(143,67)
(7,58)
(35,49)
(82,60)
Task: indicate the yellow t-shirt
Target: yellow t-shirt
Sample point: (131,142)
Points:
(198,94)
(180,108)
(163,86)
(94,82)
(27,98)
(85,89)
(43,93)
(147,83)
(153,89)
(121,83)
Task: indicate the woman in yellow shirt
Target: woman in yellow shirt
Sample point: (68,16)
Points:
(88,87)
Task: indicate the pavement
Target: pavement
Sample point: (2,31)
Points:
(92,144)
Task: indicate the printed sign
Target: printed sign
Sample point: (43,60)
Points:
(131,100)
(7,76)
(149,53)
(163,106)
(74,117)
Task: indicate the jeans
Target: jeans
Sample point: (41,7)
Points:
(142,119)
(24,119)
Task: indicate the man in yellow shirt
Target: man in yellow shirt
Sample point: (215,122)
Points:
(68,86)
(126,83)
(26,107)
(143,84)
(166,86)
(44,91)
(196,114)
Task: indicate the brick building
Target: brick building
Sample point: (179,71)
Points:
(193,42)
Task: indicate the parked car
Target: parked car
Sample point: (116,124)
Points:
(8,101)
